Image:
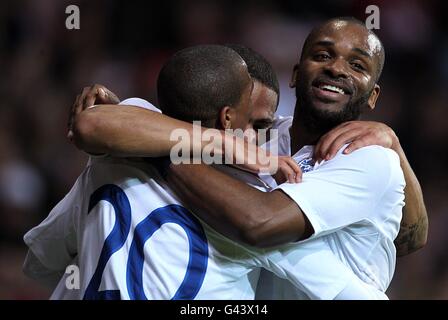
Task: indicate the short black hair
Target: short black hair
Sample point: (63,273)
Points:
(197,82)
(259,68)
(382,54)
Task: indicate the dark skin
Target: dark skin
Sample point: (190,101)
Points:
(414,225)
(265,102)
(356,67)
(346,59)
(266,219)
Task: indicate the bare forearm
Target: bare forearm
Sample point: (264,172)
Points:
(202,188)
(414,225)
(126,131)
(237,210)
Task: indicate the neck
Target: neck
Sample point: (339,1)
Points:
(300,135)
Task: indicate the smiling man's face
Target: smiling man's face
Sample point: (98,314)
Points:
(336,77)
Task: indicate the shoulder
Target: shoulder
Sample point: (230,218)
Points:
(368,157)
(375,164)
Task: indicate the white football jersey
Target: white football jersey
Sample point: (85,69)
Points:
(131,239)
(362,233)
(134,240)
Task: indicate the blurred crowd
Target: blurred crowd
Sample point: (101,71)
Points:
(122,45)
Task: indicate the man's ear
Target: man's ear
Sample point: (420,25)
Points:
(295,72)
(225,117)
(374,97)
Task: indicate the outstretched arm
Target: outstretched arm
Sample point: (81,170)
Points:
(126,131)
(414,224)
(136,132)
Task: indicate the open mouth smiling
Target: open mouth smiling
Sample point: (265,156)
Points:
(329,90)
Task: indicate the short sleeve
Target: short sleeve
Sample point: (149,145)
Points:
(349,189)
(53,243)
(142,103)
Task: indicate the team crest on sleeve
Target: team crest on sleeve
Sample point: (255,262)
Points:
(306,164)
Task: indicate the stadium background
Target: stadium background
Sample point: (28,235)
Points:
(123,45)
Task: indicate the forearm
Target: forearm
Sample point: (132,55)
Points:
(414,225)
(128,131)
(235,209)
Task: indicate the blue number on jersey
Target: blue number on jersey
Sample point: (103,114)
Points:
(197,263)
(198,253)
(114,241)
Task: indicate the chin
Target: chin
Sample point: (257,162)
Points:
(328,107)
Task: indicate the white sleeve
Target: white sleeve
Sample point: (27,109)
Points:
(34,269)
(142,103)
(53,243)
(359,187)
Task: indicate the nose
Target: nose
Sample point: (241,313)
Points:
(337,68)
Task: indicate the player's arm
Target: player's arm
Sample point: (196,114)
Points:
(340,193)
(126,131)
(237,210)
(118,130)
(414,224)
(132,131)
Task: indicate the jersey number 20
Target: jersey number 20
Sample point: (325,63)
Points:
(198,253)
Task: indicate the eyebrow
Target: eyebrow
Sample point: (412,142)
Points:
(362,52)
(327,43)
(324,43)
(265,120)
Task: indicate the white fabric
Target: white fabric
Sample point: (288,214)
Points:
(354,207)
(356,200)
(232,269)
(138,102)
(73,235)
(166,253)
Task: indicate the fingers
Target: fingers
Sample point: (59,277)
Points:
(360,142)
(97,94)
(82,101)
(103,95)
(296,169)
(88,97)
(71,119)
(109,96)
(90,94)
(73,112)
(288,173)
(340,141)
(290,169)
(325,142)
(358,133)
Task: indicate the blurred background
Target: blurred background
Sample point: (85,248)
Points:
(122,45)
